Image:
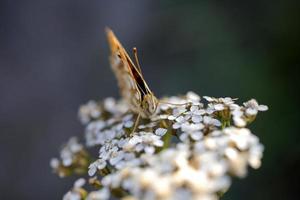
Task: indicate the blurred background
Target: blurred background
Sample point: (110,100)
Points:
(54,57)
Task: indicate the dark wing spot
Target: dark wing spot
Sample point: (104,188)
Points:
(138,79)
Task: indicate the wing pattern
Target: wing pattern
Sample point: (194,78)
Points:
(133,87)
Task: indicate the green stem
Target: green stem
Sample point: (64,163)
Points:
(167,140)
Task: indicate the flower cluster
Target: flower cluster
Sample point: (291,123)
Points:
(189,149)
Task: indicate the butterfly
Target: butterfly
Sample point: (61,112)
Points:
(132,84)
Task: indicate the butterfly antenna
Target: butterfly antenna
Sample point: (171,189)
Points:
(136,58)
(174,104)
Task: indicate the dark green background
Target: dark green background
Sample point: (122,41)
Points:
(53,57)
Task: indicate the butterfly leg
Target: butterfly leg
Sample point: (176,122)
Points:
(136,123)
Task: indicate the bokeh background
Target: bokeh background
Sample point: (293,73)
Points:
(54,57)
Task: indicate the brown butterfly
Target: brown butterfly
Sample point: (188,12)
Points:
(132,84)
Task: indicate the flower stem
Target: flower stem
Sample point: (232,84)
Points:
(167,139)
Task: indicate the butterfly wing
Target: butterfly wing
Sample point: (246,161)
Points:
(132,85)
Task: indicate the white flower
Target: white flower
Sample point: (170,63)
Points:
(161,131)
(178,111)
(95,135)
(108,150)
(128,160)
(97,165)
(102,194)
(79,183)
(192,130)
(238,116)
(149,125)
(54,163)
(116,157)
(88,112)
(252,107)
(68,151)
(237,162)
(193,97)
(113,180)
(181,120)
(219,104)
(127,120)
(225,101)
(241,137)
(255,156)
(110,105)
(207,120)
(239,121)
(181,152)
(195,114)
(74,194)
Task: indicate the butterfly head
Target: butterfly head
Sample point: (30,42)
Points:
(149,104)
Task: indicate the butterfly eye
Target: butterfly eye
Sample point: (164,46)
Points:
(151,104)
